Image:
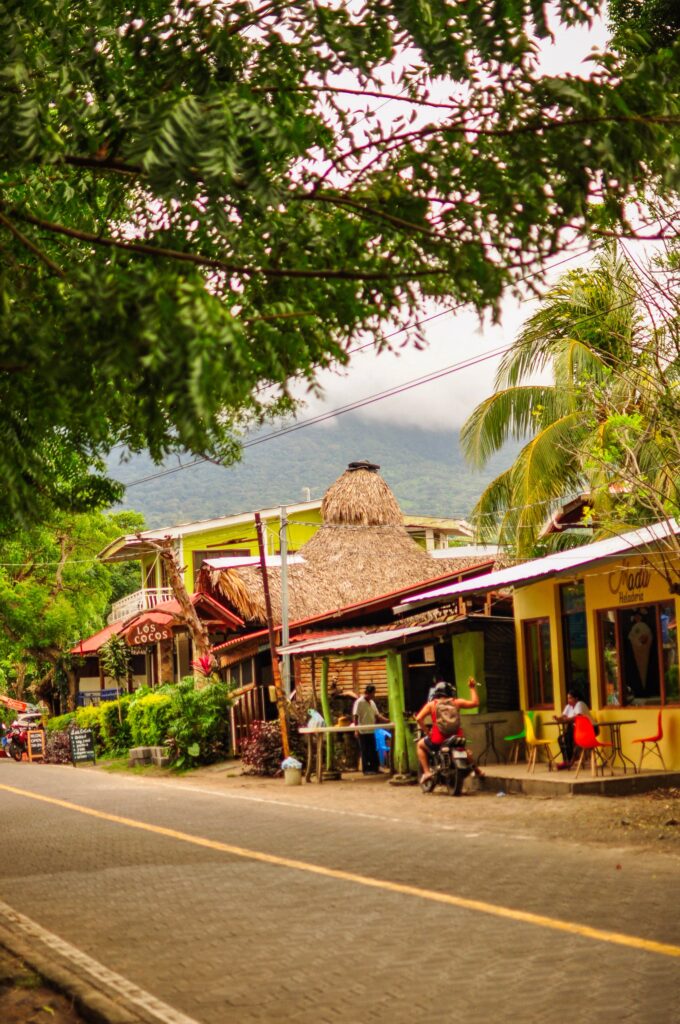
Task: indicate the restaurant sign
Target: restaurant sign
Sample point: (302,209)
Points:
(148,633)
(630,584)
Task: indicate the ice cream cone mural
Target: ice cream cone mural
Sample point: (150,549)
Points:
(640,639)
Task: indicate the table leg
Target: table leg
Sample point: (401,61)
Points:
(319,757)
(310,759)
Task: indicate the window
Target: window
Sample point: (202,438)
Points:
(639,655)
(575,644)
(240,674)
(538,663)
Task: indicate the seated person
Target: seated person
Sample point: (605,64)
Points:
(432,742)
(575,706)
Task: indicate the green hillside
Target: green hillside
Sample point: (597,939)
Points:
(424,468)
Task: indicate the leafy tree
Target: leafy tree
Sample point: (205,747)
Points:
(116,658)
(53,591)
(585,334)
(200,201)
(608,422)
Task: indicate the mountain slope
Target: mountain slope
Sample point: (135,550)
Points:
(424,468)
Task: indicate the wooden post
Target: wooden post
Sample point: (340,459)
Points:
(197,629)
(326,712)
(276,675)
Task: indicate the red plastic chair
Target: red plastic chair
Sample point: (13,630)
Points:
(653,743)
(585,739)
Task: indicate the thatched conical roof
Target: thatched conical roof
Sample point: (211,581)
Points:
(361,551)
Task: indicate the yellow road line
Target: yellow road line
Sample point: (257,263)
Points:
(480,906)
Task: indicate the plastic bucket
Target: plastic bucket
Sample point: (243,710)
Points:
(292,776)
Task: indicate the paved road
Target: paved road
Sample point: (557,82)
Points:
(234,911)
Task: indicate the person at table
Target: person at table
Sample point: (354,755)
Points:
(575,706)
(443,691)
(365,712)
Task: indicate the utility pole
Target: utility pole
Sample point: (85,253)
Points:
(283,535)
(276,676)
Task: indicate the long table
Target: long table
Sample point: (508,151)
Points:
(316,738)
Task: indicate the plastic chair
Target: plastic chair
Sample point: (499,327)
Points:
(653,743)
(585,739)
(534,745)
(382,742)
(517,741)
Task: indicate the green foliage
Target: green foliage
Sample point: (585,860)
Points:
(90,718)
(199,729)
(193,206)
(115,658)
(53,590)
(149,717)
(115,728)
(60,722)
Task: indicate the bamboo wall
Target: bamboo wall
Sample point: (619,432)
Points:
(342,675)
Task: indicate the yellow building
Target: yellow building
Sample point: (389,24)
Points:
(600,619)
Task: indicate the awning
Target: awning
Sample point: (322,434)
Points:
(350,641)
(557,564)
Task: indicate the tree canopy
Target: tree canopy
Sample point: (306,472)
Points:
(199,202)
(53,592)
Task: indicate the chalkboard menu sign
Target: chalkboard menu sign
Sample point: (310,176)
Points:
(82,745)
(36,745)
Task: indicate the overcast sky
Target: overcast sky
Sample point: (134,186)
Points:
(452,337)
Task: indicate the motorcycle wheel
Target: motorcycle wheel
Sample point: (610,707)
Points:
(454,782)
(427,786)
(16,751)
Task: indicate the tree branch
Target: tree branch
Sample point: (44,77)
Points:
(143,249)
(31,246)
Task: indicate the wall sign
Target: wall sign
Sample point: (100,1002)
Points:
(630,584)
(148,633)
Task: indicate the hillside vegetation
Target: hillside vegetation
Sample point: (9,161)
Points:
(424,468)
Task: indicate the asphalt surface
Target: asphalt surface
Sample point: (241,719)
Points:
(291,915)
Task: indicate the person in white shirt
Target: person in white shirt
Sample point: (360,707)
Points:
(365,712)
(575,706)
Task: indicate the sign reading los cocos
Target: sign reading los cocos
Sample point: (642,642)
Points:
(148,633)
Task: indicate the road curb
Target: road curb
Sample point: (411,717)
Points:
(89,1001)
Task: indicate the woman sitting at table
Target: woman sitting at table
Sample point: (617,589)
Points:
(575,706)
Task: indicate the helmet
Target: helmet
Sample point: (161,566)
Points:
(443,689)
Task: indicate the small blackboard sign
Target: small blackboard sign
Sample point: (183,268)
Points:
(82,745)
(36,745)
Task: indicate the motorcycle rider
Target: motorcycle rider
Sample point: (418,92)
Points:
(433,741)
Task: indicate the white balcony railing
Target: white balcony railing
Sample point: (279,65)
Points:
(138,602)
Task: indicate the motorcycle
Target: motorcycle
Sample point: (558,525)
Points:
(450,767)
(16,741)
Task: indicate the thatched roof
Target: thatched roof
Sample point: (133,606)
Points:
(361,551)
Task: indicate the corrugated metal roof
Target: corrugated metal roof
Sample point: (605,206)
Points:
(557,564)
(348,641)
(235,561)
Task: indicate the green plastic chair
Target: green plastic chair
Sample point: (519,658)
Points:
(518,741)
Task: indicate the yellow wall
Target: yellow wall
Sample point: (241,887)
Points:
(606,586)
(301,527)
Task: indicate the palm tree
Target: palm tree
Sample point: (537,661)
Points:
(588,333)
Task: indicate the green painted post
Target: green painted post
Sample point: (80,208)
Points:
(405,759)
(326,712)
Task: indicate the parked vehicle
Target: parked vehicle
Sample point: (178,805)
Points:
(16,737)
(450,767)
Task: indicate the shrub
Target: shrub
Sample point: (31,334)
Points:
(115,727)
(262,752)
(60,722)
(57,746)
(148,717)
(90,718)
(198,732)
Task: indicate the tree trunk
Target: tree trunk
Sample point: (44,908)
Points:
(198,631)
(72,700)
